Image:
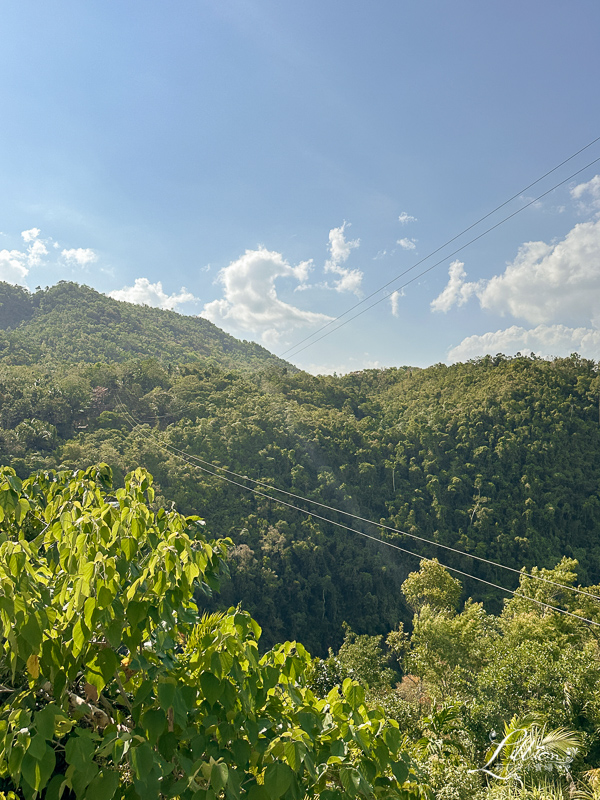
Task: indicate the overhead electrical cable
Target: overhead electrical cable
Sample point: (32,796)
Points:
(295,349)
(365,519)
(190,459)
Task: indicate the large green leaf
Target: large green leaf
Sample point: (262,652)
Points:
(32,631)
(400,770)
(45,718)
(211,687)
(218,776)
(37,769)
(154,723)
(104,786)
(278,779)
(102,668)
(79,751)
(350,778)
(142,761)
(136,612)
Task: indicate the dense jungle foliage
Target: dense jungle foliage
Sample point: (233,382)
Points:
(117,683)
(497,458)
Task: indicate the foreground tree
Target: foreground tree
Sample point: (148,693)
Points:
(114,686)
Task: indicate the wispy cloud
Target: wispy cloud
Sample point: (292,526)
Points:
(250,301)
(352,364)
(405,218)
(144,293)
(394,301)
(36,252)
(407,244)
(40,251)
(588,195)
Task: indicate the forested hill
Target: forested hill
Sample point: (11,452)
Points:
(68,323)
(498,457)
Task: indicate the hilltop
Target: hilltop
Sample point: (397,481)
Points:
(69,324)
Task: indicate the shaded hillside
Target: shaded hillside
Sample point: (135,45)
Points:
(68,323)
(498,457)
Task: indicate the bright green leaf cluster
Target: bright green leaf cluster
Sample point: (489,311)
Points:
(116,687)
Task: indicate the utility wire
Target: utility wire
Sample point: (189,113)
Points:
(364,519)
(437,263)
(187,460)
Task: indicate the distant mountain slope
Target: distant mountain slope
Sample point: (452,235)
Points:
(69,323)
(498,458)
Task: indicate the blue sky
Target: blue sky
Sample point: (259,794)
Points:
(268,164)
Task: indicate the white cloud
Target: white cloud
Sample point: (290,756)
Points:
(339,249)
(80,256)
(35,252)
(31,234)
(543,340)
(590,192)
(405,218)
(250,300)
(13,266)
(144,293)
(407,244)
(555,287)
(353,364)
(394,300)
(456,291)
(545,283)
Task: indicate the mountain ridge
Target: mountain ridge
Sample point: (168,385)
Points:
(73,323)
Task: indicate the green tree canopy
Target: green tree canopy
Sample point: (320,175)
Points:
(432,586)
(115,686)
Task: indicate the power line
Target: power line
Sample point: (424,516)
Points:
(366,520)
(187,460)
(437,263)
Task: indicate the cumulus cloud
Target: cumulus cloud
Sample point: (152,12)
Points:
(16,264)
(543,340)
(457,290)
(35,253)
(250,300)
(405,218)
(339,251)
(555,287)
(144,293)
(82,256)
(31,234)
(407,244)
(36,249)
(545,283)
(13,266)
